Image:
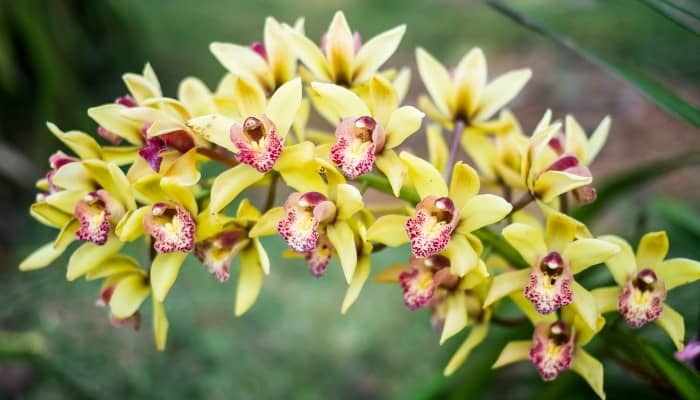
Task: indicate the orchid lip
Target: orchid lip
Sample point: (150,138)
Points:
(642,297)
(172,226)
(431,227)
(257,142)
(549,285)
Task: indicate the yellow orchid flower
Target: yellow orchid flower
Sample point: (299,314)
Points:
(257,137)
(464,95)
(124,289)
(546,173)
(564,249)
(318,224)
(498,156)
(368,133)
(342,57)
(270,63)
(86,200)
(557,346)
(643,282)
(219,239)
(453,301)
(445,217)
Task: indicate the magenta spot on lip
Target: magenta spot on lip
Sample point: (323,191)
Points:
(259,49)
(563,163)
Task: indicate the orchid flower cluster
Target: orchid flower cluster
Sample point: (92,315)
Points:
(141,180)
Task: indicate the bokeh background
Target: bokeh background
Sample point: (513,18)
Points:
(59,57)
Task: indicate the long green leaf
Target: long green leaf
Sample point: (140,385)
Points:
(683,17)
(621,183)
(663,97)
(679,215)
(683,379)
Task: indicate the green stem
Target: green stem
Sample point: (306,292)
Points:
(271,191)
(456,136)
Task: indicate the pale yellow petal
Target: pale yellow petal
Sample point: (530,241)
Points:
(476,336)
(529,310)
(250,98)
(513,352)
(652,249)
(437,81)
(678,271)
(306,178)
(585,305)
(456,318)
(390,165)
(195,95)
(249,282)
(560,231)
(117,264)
(49,215)
(437,148)
(267,224)
(164,271)
(576,140)
(41,257)
(65,200)
(358,281)
(74,176)
(426,179)
(389,230)
(672,322)
(527,240)
(403,123)
(551,184)
(67,235)
(482,210)
(505,284)
(402,82)
(375,52)
(499,92)
(590,369)
(89,256)
(128,295)
(383,102)
(279,55)
(390,274)
(131,226)
(262,256)
(597,140)
(340,48)
(284,104)
(482,151)
(242,61)
(470,80)
(231,183)
(109,117)
(584,253)
(348,200)
(160,325)
(309,54)
(141,87)
(343,240)
(214,128)
(463,257)
(342,101)
(606,298)
(295,155)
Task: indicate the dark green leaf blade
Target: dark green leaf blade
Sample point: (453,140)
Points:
(663,97)
(686,381)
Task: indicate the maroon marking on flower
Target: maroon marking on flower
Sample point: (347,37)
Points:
(424,275)
(549,287)
(553,349)
(127,101)
(152,151)
(642,298)
(303,215)
(556,144)
(106,295)
(257,142)
(319,257)
(217,253)
(358,141)
(432,225)
(134,321)
(259,49)
(56,161)
(108,135)
(93,213)
(172,226)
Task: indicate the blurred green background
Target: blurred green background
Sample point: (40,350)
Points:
(59,57)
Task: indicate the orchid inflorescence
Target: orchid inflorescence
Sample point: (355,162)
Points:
(142,181)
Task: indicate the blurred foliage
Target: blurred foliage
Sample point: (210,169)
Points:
(59,57)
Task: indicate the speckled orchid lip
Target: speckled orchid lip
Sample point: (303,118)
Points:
(303,215)
(217,253)
(358,140)
(424,275)
(549,287)
(319,257)
(172,226)
(642,298)
(94,212)
(257,142)
(432,225)
(553,349)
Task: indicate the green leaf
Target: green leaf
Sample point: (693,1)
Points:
(684,17)
(619,184)
(681,376)
(500,246)
(679,215)
(663,97)
(382,184)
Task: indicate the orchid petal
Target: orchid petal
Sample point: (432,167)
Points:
(505,284)
(284,104)
(343,240)
(499,92)
(164,271)
(267,224)
(527,240)
(342,101)
(89,255)
(309,54)
(678,271)
(403,123)
(476,336)
(437,148)
(128,296)
(348,200)
(231,183)
(623,264)
(340,48)
(375,52)
(470,80)
(242,61)
(652,249)
(160,325)
(606,298)
(436,80)
(456,318)
(672,322)
(584,253)
(214,128)
(390,165)
(196,97)
(482,210)
(383,101)
(513,352)
(249,281)
(426,179)
(590,369)
(551,184)
(389,230)
(585,305)
(358,281)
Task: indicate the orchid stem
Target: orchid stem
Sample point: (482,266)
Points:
(508,322)
(523,201)
(564,203)
(456,137)
(271,191)
(216,156)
